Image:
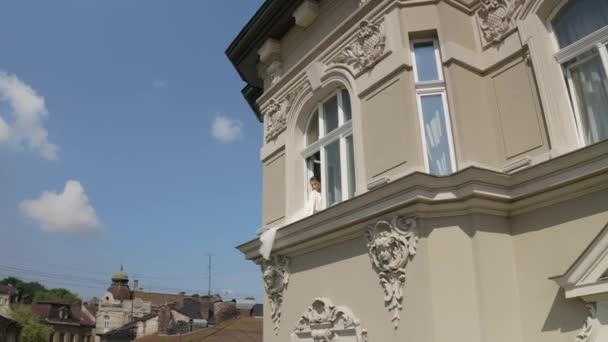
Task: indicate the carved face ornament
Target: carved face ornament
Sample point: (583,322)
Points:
(390,244)
(276,277)
(386,250)
(270,279)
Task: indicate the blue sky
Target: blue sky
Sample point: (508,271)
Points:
(123,133)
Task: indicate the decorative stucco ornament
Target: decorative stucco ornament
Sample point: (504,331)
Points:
(390,245)
(495,18)
(366,50)
(325,322)
(590,330)
(276,278)
(275,71)
(276,114)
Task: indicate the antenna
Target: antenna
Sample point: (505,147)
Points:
(210,254)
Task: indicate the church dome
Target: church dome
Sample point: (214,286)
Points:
(120,292)
(120,276)
(120,285)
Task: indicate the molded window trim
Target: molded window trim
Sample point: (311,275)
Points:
(339,134)
(596,41)
(431,88)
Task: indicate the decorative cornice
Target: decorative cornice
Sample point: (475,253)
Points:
(276,113)
(323,321)
(366,50)
(390,244)
(495,18)
(470,191)
(276,279)
(591,327)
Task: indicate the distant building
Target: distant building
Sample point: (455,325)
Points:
(67,322)
(117,307)
(147,325)
(257,311)
(8,295)
(245,305)
(10,330)
(161,299)
(244,329)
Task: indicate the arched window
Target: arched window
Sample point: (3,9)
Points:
(329,152)
(106,321)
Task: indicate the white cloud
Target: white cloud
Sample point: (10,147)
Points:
(28,109)
(227,129)
(159,84)
(4,131)
(66,212)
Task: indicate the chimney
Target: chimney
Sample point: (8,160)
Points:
(136,285)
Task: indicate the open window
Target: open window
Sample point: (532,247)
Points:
(433,111)
(329,153)
(581,31)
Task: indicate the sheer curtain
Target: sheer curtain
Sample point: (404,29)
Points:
(591,86)
(579,18)
(588,82)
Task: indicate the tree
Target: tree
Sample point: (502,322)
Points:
(32,329)
(37,292)
(57,295)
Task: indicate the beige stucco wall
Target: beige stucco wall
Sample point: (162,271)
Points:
(474,278)
(119,312)
(147,327)
(391,134)
(546,243)
(499,98)
(344,274)
(298,42)
(274,193)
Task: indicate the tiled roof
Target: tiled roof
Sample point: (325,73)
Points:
(7,290)
(5,320)
(257,310)
(246,304)
(49,312)
(92,308)
(158,299)
(247,329)
(193,309)
(147,317)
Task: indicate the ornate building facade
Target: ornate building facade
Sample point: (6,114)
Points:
(118,306)
(462,155)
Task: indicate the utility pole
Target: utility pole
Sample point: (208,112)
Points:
(210,254)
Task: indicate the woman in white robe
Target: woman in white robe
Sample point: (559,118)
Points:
(315,200)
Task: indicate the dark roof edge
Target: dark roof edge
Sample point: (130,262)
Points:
(271,20)
(255,20)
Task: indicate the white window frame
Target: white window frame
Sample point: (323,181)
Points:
(344,130)
(428,88)
(594,41)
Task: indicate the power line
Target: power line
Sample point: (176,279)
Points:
(80,279)
(30,274)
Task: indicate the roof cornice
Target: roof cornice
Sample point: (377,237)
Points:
(272,20)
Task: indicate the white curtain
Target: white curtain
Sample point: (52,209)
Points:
(591,86)
(579,18)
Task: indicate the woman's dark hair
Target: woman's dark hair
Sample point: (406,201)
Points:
(315,177)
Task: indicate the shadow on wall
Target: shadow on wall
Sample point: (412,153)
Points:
(561,315)
(557,214)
